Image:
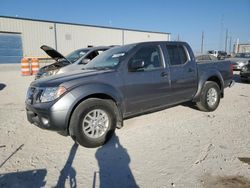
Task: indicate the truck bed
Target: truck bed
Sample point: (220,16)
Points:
(223,67)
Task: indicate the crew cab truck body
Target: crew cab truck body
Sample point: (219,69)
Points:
(124,82)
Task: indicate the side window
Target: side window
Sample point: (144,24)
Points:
(177,54)
(92,55)
(151,57)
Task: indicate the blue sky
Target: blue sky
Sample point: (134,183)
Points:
(183,18)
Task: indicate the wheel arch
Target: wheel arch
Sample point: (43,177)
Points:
(213,76)
(103,92)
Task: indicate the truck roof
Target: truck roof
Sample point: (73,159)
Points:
(169,42)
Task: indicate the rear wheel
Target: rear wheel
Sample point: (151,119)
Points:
(93,122)
(210,97)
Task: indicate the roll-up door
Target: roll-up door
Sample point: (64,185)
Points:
(10,48)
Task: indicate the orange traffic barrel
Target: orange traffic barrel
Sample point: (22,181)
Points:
(34,66)
(25,67)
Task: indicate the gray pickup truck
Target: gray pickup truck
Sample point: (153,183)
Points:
(124,82)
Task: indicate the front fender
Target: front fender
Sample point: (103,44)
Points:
(84,91)
(208,75)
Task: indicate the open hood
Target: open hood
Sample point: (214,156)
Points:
(53,53)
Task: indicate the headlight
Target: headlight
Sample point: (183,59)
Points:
(52,93)
(244,68)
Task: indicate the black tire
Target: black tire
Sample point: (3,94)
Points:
(203,104)
(76,122)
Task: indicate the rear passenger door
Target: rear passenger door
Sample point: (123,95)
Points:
(183,72)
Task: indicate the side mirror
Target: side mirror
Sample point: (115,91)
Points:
(85,61)
(136,64)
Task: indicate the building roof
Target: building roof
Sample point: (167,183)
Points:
(58,22)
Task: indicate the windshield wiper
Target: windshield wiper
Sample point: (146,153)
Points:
(99,68)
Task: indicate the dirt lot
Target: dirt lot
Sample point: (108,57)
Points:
(176,147)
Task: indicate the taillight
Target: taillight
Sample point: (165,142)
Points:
(231,69)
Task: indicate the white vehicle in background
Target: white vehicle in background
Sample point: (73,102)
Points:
(213,52)
(218,54)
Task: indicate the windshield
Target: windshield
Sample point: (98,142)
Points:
(110,58)
(75,55)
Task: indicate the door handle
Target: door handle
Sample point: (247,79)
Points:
(164,74)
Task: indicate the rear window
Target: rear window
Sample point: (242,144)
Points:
(177,54)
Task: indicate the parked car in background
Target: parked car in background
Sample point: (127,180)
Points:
(74,61)
(240,60)
(121,83)
(221,55)
(213,52)
(245,73)
(218,54)
(205,58)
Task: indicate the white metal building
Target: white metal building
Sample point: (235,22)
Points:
(243,48)
(23,37)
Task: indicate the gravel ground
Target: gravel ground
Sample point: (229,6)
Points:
(176,147)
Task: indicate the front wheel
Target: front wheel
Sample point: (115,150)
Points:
(93,122)
(210,97)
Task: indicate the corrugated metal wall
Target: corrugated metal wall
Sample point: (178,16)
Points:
(139,36)
(244,48)
(68,37)
(33,33)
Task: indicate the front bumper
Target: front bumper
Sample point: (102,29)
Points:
(52,115)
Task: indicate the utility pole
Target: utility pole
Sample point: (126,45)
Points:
(226,40)
(202,42)
(178,38)
(236,49)
(230,44)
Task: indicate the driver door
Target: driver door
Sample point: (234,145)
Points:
(147,87)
